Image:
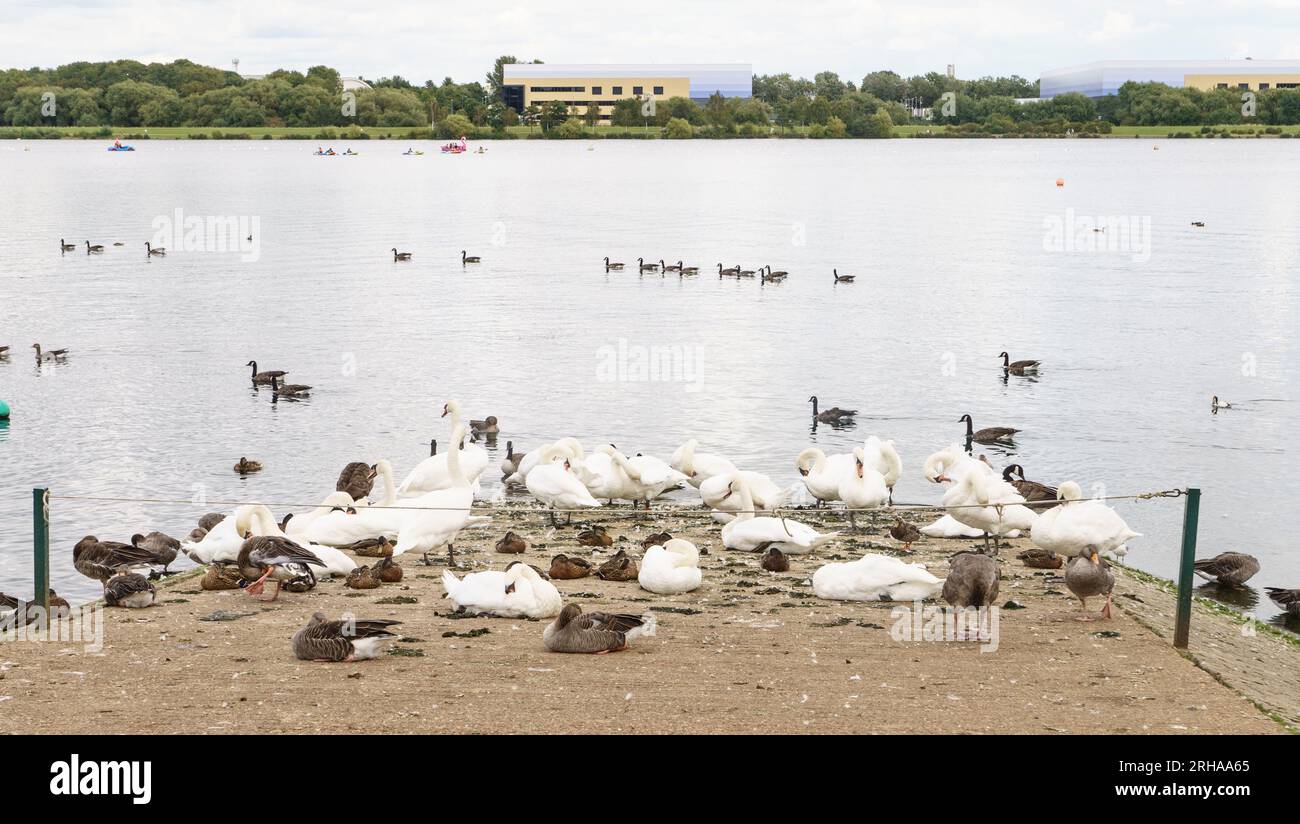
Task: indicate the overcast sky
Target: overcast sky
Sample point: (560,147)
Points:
(419,39)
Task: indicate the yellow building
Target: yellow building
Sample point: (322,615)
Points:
(1107,76)
(579,86)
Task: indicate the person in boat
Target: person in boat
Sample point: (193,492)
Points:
(117,143)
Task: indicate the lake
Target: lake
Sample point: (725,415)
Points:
(960,248)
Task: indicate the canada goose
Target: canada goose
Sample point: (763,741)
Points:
(972,580)
(160,545)
(566,568)
(1216,404)
(1287,599)
(770,275)
(670,268)
(400,255)
(621,567)
(732,272)
(388,570)
(1088,575)
(487,426)
(992,434)
(96,249)
(905,532)
(129,589)
(647,267)
(832,415)
(1041,558)
(744,273)
(363,577)
(512,544)
(350,640)
(1228,568)
(1199,224)
(52,355)
(4,351)
(842,278)
(687,270)
(152,252)
(595,536)
(510,465)
(356,479)
(1031,491)
(244,466)
(267,376)
(464,258)
(65,246)
(774,560)
(1019,367)
(595,633)
(278,388)
(612,266)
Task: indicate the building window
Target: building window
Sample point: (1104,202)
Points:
(1223,85)
(637,89)
(1263,86)
(595,89)
(1243,85)
(558,88)
(659,89)
(618,90)
(1288,85)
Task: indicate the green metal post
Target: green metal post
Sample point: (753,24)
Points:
(1183,617)
(41,545)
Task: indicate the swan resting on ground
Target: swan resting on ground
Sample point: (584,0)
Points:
(875,578)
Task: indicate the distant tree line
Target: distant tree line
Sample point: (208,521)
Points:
(127,93)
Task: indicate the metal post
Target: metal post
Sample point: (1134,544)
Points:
(1183,616)
(41,546)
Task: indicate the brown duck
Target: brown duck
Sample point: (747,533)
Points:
(389,571)
(324,640)
(567,568)
(244,466)
(1228,568)
(595,632)
(774,560)
(363,577)
(658,539)
(1041,558)
(595,536)
(219,577)
(904,532)
(370,547)
(59,608)
(512,544)
(621,567)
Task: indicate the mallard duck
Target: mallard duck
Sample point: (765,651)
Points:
(658,539)
(1287,599)
(612,266)
(487,426)
(464,258)
(220,576)
(291,389)
(991,434)
(1031,491)
(350,640)
(512,544)
(1041,558)
(388,570)
(102,560)
(161,546)
(153,251)
(356,479)
(1088,575)
(843,278)
(1228,568)
(832,415)
(379,547)
(595,632)
(400,255)
(905,532)
(129,589)
(566,568)
(274,557)
(621,567)
(1020,367)
(774,560)
(595,536)
(972,580)
(244,466)
(267,376)
(363,577)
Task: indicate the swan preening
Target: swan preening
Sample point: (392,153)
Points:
(1080,526)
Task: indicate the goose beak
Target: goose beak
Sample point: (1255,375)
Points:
(1094,557)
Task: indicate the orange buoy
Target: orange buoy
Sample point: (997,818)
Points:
(1060,181)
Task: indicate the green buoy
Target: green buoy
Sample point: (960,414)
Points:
(4,411)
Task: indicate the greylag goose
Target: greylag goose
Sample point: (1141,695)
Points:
(991,434)
(244,466)
(774,560)
(129,589)
(612,266)
(972,580)
(1020,367)
(595,632)
(351,640)
(566,568)
(842,278)
(356,479)
(832,415)
(621,567)
(1089,575)
(274,557)
(1031,491)
(1228,568)
(151,251)
(512,544)
(400,255)
(267,376)
(289,389)
(51,355)
(1287,599)
(464,258)
(210,520)
(160,545)
(102,560)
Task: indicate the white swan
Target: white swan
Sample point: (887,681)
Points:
(519,592)
(554,483)
(603,478)
(949,527)
(989,504)
(340,528)
(875,578)
(1076,524)
(822,473)
(443,513)
(336,562)
(670,569)
(531,459)
(750,533)
(698,467)
(948,465)
(884,458)
(433,473)
(335,504)
(223,541)
(716,493)
(863,487)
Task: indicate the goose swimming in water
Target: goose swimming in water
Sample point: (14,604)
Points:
(267,376)
(617,267)
(464,258)
(731,272)
(595,633)
(154,251)
(96,249)
(990,434)
(647,267)
(288,389)
(400,255)
(687,270)
(1216,404)
(833,415)
(764,277)
(65,246)
(668,267)
(51,355)
(510,464)
(1020,367)
(842,278)
(349,640)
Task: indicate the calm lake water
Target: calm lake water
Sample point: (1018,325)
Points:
(953,243)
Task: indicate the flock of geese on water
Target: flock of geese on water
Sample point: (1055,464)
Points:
(764,273)
(432,505)
(150,251)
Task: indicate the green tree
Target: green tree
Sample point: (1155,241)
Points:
(880,125)
(679,129)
